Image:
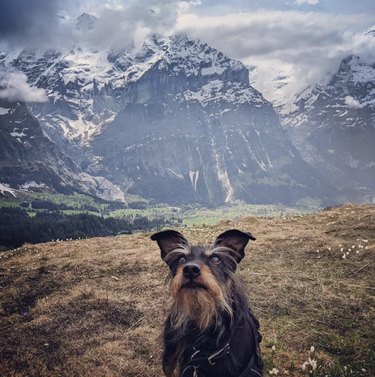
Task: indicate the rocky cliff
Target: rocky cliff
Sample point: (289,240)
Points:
(334,128)
(174,120)
(31,161)
(191,128)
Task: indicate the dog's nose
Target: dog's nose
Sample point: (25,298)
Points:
(192,271)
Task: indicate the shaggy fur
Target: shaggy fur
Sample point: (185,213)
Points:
(210,330)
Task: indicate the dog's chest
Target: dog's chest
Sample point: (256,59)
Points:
(229,359)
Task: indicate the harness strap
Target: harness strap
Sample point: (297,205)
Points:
(209,358)
(254,368)
(216,355)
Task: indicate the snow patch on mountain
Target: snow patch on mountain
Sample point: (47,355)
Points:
(352,103)
(217,91)
(4,187)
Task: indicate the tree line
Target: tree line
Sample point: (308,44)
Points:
(17,227)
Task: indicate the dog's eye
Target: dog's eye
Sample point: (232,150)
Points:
(182,260)
(215,260)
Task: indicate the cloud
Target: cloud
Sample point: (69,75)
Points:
(287,50)
(14,87)
(36,23)
(309,2)
(269,33)
(125,23)
(24,22)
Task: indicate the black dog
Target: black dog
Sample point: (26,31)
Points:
(210,331)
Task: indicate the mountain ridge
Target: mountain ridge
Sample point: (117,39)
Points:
(174,121)
(333,127)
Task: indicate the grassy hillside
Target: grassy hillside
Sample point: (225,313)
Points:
(95,307)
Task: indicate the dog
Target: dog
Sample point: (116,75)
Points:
(210,330)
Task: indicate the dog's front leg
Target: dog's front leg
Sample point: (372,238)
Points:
(170,362)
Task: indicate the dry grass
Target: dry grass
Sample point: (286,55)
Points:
(96,307)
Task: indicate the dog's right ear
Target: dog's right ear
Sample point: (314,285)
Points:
(169,240)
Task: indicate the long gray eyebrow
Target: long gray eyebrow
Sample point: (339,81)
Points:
(220,249)
(217,249)
(180,249)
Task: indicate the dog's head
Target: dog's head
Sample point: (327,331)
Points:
(202,277)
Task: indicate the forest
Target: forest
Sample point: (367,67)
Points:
(17,227)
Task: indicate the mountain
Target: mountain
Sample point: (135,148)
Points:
(30,161)
(191,128)
(334,127)
(174,120)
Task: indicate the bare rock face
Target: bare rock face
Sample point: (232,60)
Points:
(334,128)
(191,128)
(174,121)
(28,159)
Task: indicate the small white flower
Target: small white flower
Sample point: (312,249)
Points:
(274,371)
(273,348)
(345,368)
(329,248)
(304,365)
(312,349)
(363,370)
(313,363)
(344,256)
(342,249)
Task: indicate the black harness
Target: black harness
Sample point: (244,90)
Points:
(203,364)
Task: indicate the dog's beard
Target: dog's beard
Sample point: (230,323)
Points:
(200,301)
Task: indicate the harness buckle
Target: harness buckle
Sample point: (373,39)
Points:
(218,354)
(212,363)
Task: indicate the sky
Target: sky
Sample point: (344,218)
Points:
(288,45)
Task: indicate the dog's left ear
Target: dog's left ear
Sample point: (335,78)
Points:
(169,240)
(236,240)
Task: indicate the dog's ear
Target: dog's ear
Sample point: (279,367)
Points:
(235,240)
(169,240)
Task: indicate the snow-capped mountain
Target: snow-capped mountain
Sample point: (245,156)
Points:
(174,120)
(334,127)
(30,161)
(192,128)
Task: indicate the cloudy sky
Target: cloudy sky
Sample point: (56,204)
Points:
(287,44)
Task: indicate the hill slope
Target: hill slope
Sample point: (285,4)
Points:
(95,307)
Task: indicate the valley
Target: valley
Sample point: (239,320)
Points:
(135,215)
